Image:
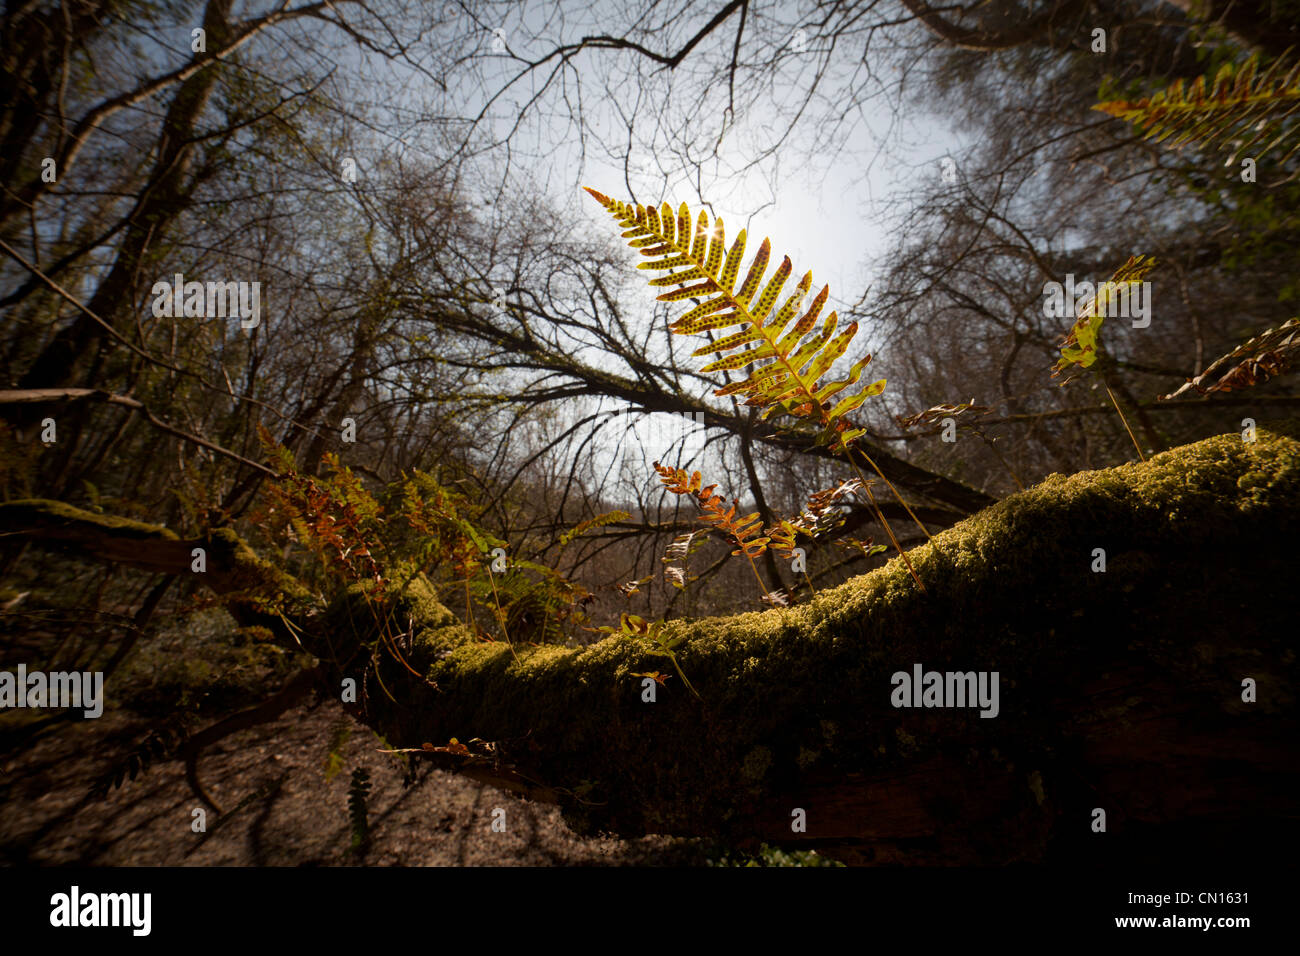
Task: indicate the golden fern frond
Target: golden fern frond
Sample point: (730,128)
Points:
(781,537)
(1241,105)
(1266,355)
(785,357)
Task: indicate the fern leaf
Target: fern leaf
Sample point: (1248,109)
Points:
(1266,355)
(600,521)
(1241,106)
(785,357)
(743,530)
(358,793)
(1081,344)
(939,412)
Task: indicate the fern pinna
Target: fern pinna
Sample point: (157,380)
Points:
(787,357)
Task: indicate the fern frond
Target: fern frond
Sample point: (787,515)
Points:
(683,546)
(742,529)
(600,521)
(785,357)
(940,412)
(820,515)
(358,793)
(1080,346)
(1266,355)
(161,743)
(781,537)
(1242,105)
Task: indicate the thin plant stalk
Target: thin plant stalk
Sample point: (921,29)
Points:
(880,516)
(1005,464)
(1141,457)
(501,615)
(906,507)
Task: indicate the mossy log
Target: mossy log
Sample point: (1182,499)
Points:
(1120,690)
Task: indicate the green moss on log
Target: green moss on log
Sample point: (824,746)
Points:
(1199,584)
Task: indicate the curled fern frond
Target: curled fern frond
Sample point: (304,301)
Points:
(1266,355)
(786,357)
(1241,106)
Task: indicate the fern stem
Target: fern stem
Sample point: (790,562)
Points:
(762,588)
(880,516)
(501,615)
(906,507)
(1141,457)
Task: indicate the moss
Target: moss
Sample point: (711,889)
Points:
(46,513)
(1199,584)
(1009,590)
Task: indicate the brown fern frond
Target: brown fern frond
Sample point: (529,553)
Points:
(940,412)
(819,515)
(1264,356)
(683,546)
(743,529)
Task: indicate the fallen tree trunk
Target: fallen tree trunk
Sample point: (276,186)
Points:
(1119,690)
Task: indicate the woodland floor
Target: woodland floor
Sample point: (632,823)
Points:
(47,816)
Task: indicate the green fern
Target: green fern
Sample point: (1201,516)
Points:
(1241,106)
(339,735)
(1082,344)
